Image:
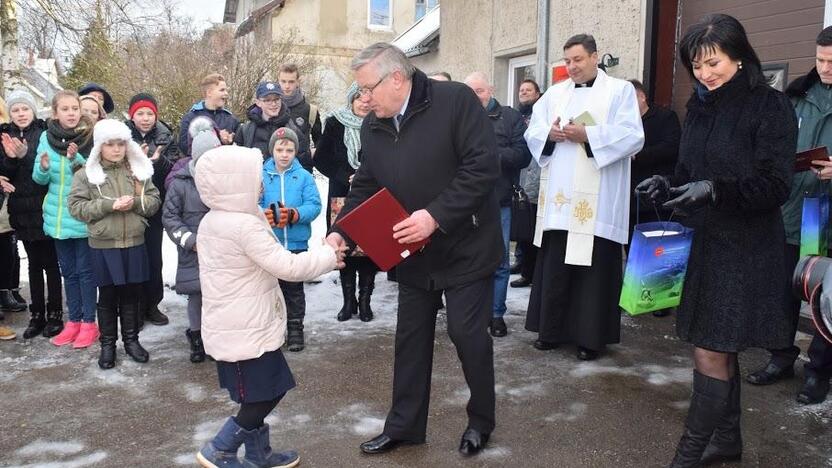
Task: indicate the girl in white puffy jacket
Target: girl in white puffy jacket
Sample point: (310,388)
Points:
(243,310)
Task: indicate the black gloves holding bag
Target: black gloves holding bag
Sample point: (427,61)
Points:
(688,197)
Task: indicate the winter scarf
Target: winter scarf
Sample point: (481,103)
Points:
(293,100)
(59,138)
(352,127)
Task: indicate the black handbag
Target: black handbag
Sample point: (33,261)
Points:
(522,216)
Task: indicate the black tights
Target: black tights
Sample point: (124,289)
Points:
(251,415)
(112,295)
(715,364)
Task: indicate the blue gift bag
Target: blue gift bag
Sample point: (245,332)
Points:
(814,226)
(656,267)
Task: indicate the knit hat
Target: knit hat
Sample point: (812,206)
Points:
(142,100)
(199,124)
(203,142)
(20,96)
(283,133)
(108,100)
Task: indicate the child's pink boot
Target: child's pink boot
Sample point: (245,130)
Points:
(67,335)
(87,336)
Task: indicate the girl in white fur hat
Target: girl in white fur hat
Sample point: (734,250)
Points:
(114,195)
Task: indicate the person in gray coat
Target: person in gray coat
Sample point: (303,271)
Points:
(181,214)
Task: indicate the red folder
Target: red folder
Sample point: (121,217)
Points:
(803,159)
(370,225)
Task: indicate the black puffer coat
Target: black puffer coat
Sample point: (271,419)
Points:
(742,139)
(181,214)
(25,204)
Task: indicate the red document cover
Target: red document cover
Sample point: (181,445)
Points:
(803,159)
(370,225)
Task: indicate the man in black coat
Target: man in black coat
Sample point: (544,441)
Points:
(514,155)
(432,146)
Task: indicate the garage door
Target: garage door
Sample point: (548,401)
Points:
(782,32)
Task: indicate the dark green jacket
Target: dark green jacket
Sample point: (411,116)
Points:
(812,102)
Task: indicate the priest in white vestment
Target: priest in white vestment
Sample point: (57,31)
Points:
(583,133)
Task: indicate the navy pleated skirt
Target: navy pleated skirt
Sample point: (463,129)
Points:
(264,378)
(116,267)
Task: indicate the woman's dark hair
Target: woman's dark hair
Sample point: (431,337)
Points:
(725,33)
(533,83)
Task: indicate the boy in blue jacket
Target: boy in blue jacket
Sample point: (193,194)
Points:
(292,202)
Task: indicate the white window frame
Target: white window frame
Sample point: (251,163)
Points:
(513,64)
(379,27)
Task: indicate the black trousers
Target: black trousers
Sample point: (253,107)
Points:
(43,259)
(529,259)
(294,296)
(10,272)
(469,310)
(153,288)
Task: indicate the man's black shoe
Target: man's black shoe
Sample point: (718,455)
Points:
(498,327)
(515,268)
(544,345)
(521,283)
(381,444)
(473,441)
(587,354)
(814,390)
(770,374)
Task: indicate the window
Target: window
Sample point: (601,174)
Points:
(519,69)
(424,6)
(379,14)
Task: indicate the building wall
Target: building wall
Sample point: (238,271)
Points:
(331,32)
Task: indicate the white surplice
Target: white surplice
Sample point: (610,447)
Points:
(617,136)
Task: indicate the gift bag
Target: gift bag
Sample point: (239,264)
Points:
(656,267)
(522,217)
(814,226)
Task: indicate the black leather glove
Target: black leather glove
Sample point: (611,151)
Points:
(656,189)
(691,196)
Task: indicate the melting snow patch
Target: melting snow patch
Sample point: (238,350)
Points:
(526,391)
(41,446)
(207,430)
(186,459)
(194,392)
(494,452)
(79,462)
(573,412)
(368,426)
(653,374)
(680,405)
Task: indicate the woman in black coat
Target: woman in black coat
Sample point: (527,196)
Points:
(735,167)
(17,158)
(337,157)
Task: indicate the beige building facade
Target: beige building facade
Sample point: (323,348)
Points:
(330,32)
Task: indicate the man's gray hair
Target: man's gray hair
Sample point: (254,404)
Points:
(387,57)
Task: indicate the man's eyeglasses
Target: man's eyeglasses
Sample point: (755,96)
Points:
(366,91)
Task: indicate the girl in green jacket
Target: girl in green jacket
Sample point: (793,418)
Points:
(63,148)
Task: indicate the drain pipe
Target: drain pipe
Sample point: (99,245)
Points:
(543,72)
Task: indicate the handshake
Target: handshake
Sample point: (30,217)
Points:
(279,216)
(684,199)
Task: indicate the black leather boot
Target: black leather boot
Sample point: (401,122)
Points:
(54,322)
(366,284)
(8,303)
(708,405)
(155,316)
(108,329)
(18,297)
(197,348)
(294,335)
(350,307)
(726,443)
(36,323)
(129,314)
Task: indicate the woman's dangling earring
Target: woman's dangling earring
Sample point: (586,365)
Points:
(740,66)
